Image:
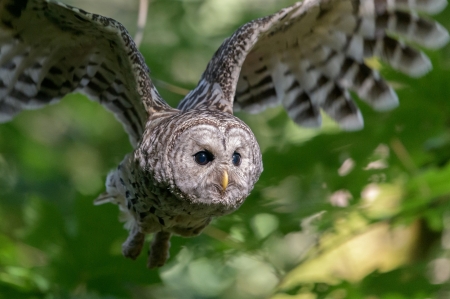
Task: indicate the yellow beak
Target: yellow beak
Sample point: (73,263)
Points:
(225,180)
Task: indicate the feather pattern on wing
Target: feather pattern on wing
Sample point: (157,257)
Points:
(308,57)
(49,49)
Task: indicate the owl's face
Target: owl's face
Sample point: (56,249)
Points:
(215,161)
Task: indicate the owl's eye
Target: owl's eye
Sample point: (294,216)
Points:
(203,157)
(236,158)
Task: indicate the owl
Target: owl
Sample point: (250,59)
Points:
(198,161)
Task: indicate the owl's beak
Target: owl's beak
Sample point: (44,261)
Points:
(225,180)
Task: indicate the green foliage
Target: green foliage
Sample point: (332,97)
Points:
(385,234)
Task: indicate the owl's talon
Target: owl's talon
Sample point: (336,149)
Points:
(159,251)
(132,247)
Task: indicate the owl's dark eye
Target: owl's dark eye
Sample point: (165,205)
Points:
(203,157)
(236,158)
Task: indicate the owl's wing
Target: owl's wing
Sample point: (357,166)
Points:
(308,56)
(49,49)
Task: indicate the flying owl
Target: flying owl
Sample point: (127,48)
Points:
(198,161)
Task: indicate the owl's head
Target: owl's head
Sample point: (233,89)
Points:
(211,158)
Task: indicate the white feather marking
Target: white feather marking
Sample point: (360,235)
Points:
(367,27)
(386,101)
(319,96)
(308,78)
(418,67)
(367,8)
(352,122)
(91,70)
(333,67)
(427,6)
(355,48)
(280,81)
(395,59)
(364,89)
(290,97)
(391,5)
(348,77)
(436,39)
(35,73)
(84,82)
(432,7)
(29,90)
(10,50)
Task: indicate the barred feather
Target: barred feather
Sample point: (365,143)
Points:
(49,49)
(309,56)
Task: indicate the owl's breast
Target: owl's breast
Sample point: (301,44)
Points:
(162,209)
(156,207)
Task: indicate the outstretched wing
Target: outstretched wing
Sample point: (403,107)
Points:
(308,56)
(49,49)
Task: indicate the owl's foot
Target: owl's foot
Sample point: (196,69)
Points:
(159,251)
(132,247)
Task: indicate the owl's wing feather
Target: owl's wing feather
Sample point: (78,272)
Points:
(49,49)
(309,56)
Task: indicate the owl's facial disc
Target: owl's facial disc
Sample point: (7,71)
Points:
(216,164)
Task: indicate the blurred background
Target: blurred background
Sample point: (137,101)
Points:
(335,214)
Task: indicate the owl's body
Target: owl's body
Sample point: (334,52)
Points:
(198,161)
(160,188)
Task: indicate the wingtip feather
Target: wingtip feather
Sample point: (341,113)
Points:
(436,39)
(418,67)
(433,6)
(386,101)
(352,122)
